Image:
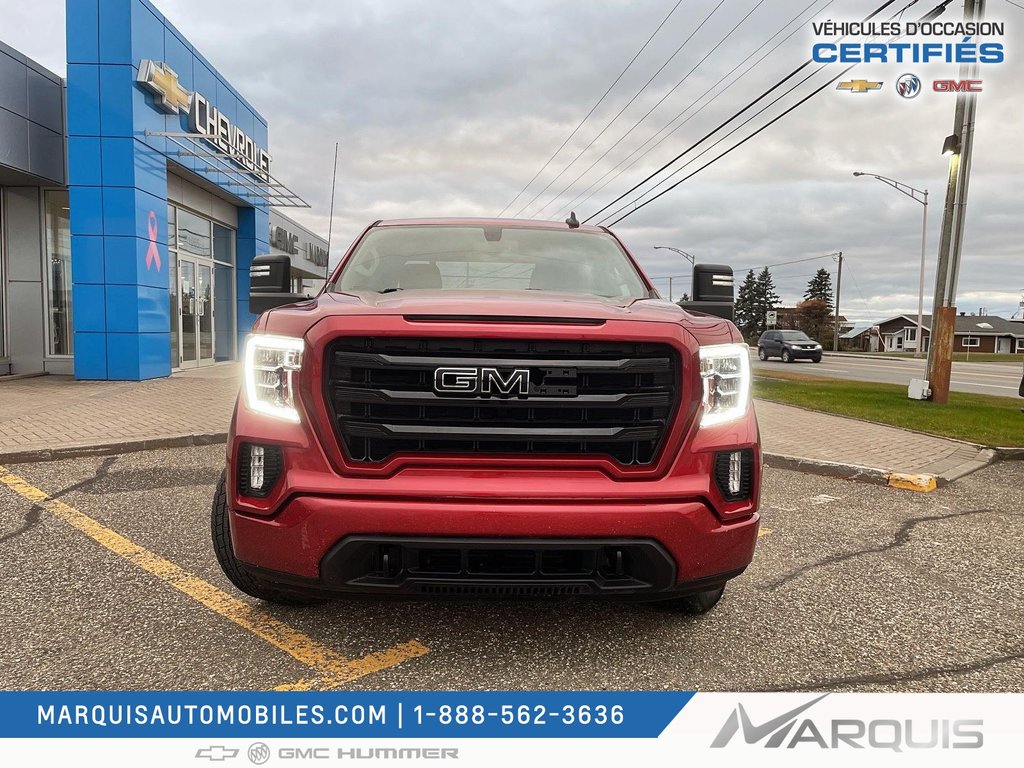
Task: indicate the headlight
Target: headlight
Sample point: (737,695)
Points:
(725,375)
(272,365)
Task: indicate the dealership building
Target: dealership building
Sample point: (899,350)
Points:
(134,195)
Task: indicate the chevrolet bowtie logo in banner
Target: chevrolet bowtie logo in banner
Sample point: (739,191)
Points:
(162,81)
(859,86)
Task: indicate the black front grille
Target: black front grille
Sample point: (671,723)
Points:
(610,398)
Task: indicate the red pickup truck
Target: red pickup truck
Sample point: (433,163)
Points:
(488,407)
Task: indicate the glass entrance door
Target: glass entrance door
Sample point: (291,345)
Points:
(204,319)
(196,310)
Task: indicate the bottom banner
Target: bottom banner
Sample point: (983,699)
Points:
(509,729)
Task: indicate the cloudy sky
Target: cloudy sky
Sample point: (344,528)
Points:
(450,108)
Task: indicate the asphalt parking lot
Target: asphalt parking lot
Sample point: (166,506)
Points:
(109,582)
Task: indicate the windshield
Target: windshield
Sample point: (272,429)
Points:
(490,258)
(795,336)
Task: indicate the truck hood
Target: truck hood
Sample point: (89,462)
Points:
(493,306)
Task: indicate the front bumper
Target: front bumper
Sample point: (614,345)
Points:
(337,545)
(804,354)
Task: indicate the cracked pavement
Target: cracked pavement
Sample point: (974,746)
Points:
(853,587)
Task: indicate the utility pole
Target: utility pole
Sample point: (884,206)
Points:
(958,146)
(839,286)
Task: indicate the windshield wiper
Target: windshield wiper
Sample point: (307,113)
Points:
(388,290)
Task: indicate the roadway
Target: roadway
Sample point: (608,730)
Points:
(110,582)
(1001,379)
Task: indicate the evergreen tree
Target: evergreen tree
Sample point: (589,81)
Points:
(765,300)
(820,288)
(745,311)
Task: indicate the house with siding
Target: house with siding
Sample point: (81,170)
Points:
(973,333)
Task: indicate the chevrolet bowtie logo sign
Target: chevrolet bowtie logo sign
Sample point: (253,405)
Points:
(162,81)
(859,86)
(216,753)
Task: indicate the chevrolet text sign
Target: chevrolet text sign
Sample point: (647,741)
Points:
(203,118)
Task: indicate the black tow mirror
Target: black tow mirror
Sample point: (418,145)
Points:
(270,283)
(713,291)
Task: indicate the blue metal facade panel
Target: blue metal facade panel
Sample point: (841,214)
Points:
(118,185)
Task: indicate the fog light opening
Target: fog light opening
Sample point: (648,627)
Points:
(256,468)
(735,473)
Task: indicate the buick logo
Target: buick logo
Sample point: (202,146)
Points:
(508,382)
(908,86)
(259,753)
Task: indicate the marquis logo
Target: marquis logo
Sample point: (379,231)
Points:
(778,727)
(908,86)
(789,731)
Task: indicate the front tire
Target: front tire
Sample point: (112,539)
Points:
(220,530)
(816,359)
(786,357)
(696,604)
(761,354)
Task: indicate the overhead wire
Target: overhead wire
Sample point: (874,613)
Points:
(624,108)
(647,114)
(592,109)
(717,128)
(625,163)
(932,14)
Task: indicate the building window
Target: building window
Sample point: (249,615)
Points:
(1020,345)
(910,334)
(224,291)
(970,341)
(194,234)
(3,284)
(58,259)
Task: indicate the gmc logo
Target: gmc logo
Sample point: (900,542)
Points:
(957,86)
(482,381)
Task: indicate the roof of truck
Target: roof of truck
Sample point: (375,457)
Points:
(486,222)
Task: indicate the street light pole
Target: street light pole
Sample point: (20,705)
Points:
(689,257)
(912,193)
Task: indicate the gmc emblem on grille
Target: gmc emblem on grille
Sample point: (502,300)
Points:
(482,381)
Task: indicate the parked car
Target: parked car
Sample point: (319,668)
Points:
(488,408)
(789,345)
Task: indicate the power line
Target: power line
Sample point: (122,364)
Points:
(596,105)
(628,104)
(707,149)
(938,10)
(661,101)
(587,194)
(723,124)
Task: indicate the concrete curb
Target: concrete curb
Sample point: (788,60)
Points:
(108,449)
(875,475)
(827,468)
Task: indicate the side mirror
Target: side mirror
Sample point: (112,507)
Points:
(270,283)
(713,291)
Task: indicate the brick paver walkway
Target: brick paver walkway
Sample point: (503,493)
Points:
(54,412)
(49,413)
(800,433)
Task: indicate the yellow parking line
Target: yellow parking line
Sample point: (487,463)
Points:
(763,532)
(331,668)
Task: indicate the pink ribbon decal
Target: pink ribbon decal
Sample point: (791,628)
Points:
(153,253)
